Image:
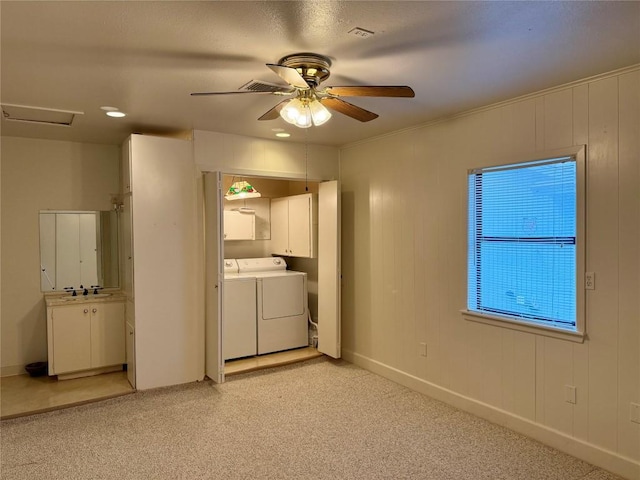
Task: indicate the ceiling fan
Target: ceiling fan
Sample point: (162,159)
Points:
(304,72)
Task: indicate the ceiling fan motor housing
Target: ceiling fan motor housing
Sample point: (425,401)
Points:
(312,67)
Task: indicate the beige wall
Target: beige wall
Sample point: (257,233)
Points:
(404,269)
(39,175)
(240,155)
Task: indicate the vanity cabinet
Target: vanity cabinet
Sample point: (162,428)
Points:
(293,226)
(85,336)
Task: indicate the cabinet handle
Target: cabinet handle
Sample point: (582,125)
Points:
(131,333)
(94,310)
(86,310)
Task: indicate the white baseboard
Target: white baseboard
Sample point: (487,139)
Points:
(605,459)
(11,370)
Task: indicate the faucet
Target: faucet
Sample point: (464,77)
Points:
(96,288)
(71,289)
(84,290)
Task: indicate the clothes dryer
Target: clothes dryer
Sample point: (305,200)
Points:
(281,303)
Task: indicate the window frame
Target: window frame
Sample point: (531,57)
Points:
(578,153)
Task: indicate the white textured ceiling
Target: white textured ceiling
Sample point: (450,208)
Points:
(146,57)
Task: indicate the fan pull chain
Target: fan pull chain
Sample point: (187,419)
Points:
(306,160)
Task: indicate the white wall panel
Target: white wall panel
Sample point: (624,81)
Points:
(415,292)
(580,114)
(629,253)
(558,359)
(602,258)
(581,382)
(523,381)
(539,136)
(580,107)
(558,119)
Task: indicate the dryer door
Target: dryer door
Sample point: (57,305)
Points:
(283,296)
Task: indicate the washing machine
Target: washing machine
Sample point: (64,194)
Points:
(239,321)
(281,303)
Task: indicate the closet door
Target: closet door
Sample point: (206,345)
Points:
(214,277)
(329,269)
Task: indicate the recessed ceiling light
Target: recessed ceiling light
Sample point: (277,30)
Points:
(283,134)
(116,114)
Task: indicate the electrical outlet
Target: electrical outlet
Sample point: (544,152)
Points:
(590,280)
(570,394)
(634,412)
(423,349)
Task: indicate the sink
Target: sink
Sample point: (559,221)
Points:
(84,298)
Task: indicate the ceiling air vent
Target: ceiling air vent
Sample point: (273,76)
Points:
(47,116)
(260,86)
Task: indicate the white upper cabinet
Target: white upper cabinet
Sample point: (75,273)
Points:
(293,226)
(239,225)
(125,166)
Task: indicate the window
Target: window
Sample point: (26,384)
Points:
(523,243)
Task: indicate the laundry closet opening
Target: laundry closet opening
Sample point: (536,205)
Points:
(275,235)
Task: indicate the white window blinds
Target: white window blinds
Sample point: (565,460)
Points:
(522,242)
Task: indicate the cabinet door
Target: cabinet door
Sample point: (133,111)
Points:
(127,250)
(125,168)
(71,339)
(107,334)
(88,249)
(131,355)
(67,250)
(280,226)
(239,226)
(300,226)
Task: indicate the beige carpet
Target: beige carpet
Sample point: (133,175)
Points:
(320,419)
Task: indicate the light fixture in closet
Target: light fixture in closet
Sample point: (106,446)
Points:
(241,190)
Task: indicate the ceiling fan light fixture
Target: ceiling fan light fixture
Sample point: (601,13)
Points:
(292,110)
(319,113)
(304,120)
(304,113)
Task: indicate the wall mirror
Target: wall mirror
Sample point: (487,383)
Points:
(78,248)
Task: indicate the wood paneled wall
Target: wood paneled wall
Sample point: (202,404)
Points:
(404,263)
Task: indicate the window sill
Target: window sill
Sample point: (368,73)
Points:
(523,326)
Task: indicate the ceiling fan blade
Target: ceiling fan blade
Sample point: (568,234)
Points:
(197,94)
(256,86)
(289,75)
(348,109)
(274,112)
(371,91)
